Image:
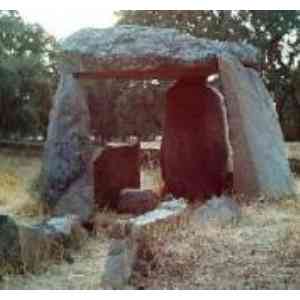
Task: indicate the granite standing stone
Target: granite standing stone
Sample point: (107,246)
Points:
(194,151)
(260,154)
(66,172)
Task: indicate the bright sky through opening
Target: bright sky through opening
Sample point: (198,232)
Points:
(63,22)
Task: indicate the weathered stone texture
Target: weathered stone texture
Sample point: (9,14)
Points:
(116,167)
(194,148)
(218,210)
(137,202)
(127,252)
(27,248)
(10,250)
(66,158)
(137,51)
(260,157)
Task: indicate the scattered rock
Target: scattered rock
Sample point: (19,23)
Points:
(166,213)
(137,202)
(10,251)
(119,264)
(132,250)
(116,167)
(77,198)
(31,246)
(220,210)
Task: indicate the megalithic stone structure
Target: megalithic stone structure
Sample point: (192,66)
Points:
(67,170)
(194,150)
(144,53)
(260,158)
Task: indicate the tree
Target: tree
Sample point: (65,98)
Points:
(27,75)
(275,33)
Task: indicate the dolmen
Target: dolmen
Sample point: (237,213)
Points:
(204,128)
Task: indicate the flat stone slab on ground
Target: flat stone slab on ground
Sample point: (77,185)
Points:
(124,252)
(164,213)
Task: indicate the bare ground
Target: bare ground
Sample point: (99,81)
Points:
(261,251)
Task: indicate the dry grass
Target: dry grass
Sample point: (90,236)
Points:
(17,172)
(261,251)
(83,274)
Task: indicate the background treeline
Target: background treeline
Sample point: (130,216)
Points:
(28,76)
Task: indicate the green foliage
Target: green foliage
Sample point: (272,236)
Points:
(27,75)
(275,33)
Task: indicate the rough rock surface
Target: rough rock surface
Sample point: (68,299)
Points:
(65,161)
(194,150)
(126,253)
(24,247)
(116,167)
(10,251)
(260,155)
(119,264)
(220,210)
(168,213)
(139,50)
(137,202)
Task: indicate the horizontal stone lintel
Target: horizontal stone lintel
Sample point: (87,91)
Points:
(164,72)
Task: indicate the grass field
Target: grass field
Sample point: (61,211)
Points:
(18,170)
(261,251)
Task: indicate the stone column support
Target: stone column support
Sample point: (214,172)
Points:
(67,178)
(260,158)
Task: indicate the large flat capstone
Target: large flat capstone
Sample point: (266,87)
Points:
(138,51)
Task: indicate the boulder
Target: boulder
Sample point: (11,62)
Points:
(260,154)
(137,202)
(220,210)
(167,217)
(128,249)
(116,167)
(119,264)
(194,150)
(10,251)
(28,247)
(79,197)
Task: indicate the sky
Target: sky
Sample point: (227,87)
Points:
(62,17)
(63,22)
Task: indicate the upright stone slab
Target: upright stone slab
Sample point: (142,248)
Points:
(116,167)
(194,149)
(260,158)
(66,173)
